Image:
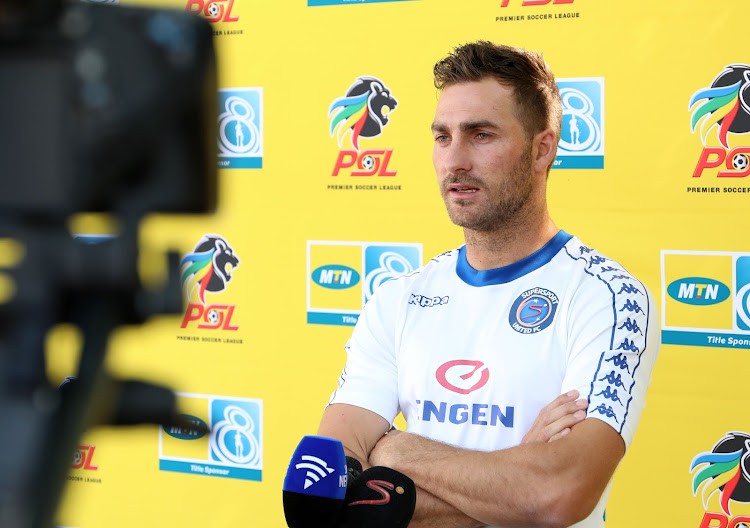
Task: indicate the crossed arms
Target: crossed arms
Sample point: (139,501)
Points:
(553,479)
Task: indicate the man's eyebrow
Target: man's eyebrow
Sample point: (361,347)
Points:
(469,125)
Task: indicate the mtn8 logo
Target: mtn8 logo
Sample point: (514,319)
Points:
(581,131)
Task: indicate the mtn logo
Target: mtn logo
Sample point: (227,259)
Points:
(698,291)
(335,276)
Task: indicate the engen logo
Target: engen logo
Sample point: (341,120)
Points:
(362,112)
(213,10)
(722,476)
(698,291)
(725,107)
(463,376)
(208,269)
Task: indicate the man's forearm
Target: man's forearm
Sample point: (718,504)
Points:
(555,484)
(432,512)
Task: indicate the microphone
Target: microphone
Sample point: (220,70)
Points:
(315,483)
(379,497)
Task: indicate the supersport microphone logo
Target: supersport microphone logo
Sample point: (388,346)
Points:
(463,376)
(317,469)
(382,487)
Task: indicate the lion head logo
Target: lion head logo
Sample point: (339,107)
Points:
(724,470)
(363,110)
(726,104)
(208,268)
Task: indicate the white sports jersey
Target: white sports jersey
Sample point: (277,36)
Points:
(471,357)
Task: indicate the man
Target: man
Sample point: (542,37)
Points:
(472,346)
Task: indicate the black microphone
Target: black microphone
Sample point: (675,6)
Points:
(379,497)
(315,483)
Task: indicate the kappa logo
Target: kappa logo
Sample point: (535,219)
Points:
(724,472)
(362,112)
(426,302)
(463,376)
(724,106)
(533,311)
(208,268)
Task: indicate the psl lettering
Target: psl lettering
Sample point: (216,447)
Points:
(538,2)
(723,521)
(735,161)
(83,456)
(213,10)
(368,162)
(213,316)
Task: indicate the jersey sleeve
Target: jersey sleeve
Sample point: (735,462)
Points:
(370,379)
(613,342)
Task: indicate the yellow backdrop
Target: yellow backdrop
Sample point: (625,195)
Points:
(311,218)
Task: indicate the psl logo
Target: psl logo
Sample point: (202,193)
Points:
(362,113)
(213,10)
(724,472)
(209,269)
(724,106)
(83,458)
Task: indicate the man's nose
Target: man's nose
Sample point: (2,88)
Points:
(456,157)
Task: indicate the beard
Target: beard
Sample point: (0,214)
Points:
(504,206)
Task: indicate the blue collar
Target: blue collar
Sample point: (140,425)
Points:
(512,271)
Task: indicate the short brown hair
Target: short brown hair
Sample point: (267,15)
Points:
(537,96)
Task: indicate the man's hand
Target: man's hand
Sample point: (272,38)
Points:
(555,420)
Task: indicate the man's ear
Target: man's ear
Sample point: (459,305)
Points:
(544,150)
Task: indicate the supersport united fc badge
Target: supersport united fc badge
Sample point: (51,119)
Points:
(533,311)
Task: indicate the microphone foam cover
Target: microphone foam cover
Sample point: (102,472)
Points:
(379,497)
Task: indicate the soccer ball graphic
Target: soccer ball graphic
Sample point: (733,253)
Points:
(368,162)
(213,316)
(214,9)
(740,162)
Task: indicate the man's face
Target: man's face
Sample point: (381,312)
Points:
(481,155)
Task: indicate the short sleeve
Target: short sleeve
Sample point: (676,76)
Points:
(613,341)
(370,379)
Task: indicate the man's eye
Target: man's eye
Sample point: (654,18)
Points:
(441,139)
(483,135)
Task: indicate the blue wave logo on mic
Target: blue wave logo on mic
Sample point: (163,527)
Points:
(315,483)
(318,467)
